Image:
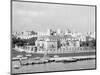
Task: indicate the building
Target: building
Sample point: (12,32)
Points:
(52,42)
(26,35)
(26,48)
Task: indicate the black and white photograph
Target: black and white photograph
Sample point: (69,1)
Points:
(52,37)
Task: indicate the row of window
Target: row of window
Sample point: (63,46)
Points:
(63,49)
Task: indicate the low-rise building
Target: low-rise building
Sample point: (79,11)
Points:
(56,42)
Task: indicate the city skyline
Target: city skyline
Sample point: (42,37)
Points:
(40,17)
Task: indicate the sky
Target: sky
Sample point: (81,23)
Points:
(27,16)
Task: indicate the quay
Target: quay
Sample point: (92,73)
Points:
(64,54)
(19,63)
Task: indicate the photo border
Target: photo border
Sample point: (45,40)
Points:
(58,4)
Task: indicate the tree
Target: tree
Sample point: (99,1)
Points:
(33,33)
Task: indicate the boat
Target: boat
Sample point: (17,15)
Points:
(64,59)
(15,59)
(70,60)
(16,66)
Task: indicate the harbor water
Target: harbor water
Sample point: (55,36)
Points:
(56,66)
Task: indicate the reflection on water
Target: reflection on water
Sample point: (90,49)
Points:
(86,64)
